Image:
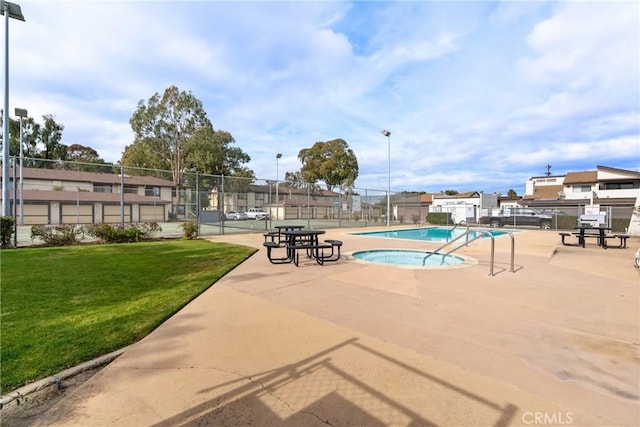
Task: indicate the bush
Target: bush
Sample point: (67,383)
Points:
(190,229)
(441,218)
(117,234)
(6,230)
(58,235)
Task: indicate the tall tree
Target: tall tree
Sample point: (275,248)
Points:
(87,159)
(332,162)
(211,152)
(51,138)
(163,125)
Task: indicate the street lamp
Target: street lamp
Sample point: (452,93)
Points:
(388,135)
(9,10)
(278,156)
(22,113)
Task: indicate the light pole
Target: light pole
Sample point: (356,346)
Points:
(278,156)
(9,10)
(388,135)
(22,113)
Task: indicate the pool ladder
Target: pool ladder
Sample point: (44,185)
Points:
(480,234)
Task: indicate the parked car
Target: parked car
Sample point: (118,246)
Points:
(237,215)
(553,212)
(519,216)
(257,213)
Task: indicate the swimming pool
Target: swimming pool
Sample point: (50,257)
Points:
(429,234)
(407,257)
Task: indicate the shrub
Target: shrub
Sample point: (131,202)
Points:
(190,229)
(6,230)
(439,218)
(58,235)
(117,234)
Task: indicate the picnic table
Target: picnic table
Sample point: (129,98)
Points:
(599,233)
(273,235)
(306,240)
(596,232)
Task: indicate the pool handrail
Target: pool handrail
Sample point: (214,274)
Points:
(493,245)
(480,233)
(424,260)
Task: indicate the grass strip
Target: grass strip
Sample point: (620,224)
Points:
(66,305)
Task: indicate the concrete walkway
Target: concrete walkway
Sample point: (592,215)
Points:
(555,343)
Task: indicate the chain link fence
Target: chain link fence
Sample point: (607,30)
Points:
(72,193)
(52,193)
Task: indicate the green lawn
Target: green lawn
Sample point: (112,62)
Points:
(66,305)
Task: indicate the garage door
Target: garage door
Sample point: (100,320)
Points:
(111,214)
(151,213)
(36,213)
(76,214)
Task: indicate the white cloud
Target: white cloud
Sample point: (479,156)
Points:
(475,93)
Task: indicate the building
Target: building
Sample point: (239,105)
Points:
(464,207)
(603,186)
(54,197)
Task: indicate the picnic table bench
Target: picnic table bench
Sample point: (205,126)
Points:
(598,233)
(306,241)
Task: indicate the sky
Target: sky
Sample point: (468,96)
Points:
(477,95)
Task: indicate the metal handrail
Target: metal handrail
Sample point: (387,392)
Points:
(424,260)
(480,233)
(493,245)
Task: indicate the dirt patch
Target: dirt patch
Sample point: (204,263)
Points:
(32,408)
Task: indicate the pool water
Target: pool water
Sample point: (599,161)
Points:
(406,257)
(429,234)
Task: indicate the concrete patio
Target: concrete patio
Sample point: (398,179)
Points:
(348,343)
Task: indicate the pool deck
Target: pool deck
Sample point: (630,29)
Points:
(349,343)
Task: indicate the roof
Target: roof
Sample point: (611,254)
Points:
(465,195)
(587,177)
(548,192)
(93,177)
(87,196)
(625,173)
(283,188)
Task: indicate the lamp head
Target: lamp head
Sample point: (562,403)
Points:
(13,10)
(279,155)
(385,133)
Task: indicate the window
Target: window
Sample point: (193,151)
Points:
(581,188)
(151,191)
(130,189)
(102,188)
(620,186)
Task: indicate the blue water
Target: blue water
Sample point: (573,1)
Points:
(430,234)
(406,257)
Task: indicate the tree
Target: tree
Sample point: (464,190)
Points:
(162,127)
(451,192)
(512,193)
(332,162)
(50,136)
(210,152)
(87,157)
(172,132)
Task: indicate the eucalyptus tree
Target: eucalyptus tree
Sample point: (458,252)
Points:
(332,162)
(162,126)
(172,132)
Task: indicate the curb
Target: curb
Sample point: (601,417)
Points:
(57,378)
